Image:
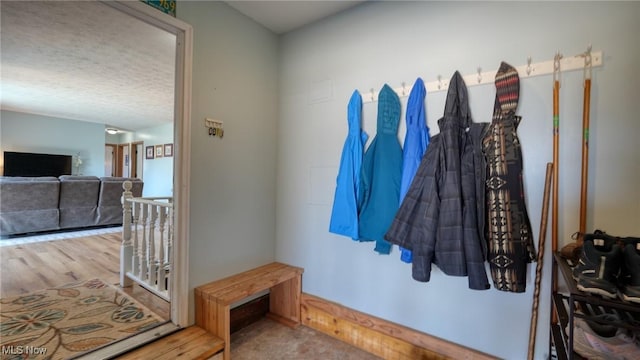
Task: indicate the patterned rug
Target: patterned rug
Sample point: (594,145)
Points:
(69,320)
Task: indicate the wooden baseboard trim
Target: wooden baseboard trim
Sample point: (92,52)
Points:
(377,336)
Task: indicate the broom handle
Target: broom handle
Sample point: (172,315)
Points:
(556,163)
(556,173)
(585,160)
(542,236)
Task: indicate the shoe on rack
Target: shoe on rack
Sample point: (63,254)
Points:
(593,342)
(630,275)
(599,265)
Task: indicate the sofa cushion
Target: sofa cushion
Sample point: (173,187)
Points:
(78,201)
(28,204)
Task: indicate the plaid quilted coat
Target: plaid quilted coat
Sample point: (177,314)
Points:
(441,219)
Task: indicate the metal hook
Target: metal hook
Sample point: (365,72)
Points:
(404,90)
(479,75)
(587,63)
(556,65)
(372,94)
(439,82)
(528,65)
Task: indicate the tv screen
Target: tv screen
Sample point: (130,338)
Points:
(30,164)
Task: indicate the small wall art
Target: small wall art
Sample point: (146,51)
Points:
(168,150)
(159,151)
(149,152)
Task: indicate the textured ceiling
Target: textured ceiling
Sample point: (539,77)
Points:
(283,16)
(85,61)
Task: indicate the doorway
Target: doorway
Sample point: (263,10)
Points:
(124,160)
(135,168)
(181,104)
(182,140)
(110,151)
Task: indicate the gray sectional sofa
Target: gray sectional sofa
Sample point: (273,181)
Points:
(33,204)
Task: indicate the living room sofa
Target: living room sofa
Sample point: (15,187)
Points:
(35,204)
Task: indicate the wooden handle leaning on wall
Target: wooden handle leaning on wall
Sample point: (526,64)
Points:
(542,237)
(585,161)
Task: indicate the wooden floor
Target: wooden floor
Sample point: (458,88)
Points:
(191,343)
(32,267)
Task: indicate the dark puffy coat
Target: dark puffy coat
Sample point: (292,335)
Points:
(441,219)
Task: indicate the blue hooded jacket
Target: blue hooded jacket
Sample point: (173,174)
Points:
(344,215)
(415,144)
(382,173)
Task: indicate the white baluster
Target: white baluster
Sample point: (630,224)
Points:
(126,249)
(161,252)
(144,245)
(153,265)
(135,259)
(169,256)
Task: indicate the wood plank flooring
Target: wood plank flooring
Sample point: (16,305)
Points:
(31,267)
(193,343)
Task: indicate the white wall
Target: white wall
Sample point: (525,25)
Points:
(396,42)
(233,179)
(43,134)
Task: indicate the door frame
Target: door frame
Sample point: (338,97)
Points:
(114,158)
(120,159)
(134,165)
(182,146)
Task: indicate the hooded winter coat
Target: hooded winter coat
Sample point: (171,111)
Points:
(416,141)
(381,173)
(441,218)
(344,214)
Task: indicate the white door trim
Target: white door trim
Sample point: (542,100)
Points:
(182,147)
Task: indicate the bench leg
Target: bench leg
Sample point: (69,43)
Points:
(284,301)
(223,328)
(215,318)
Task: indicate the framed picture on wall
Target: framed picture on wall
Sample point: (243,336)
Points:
(168,150)
(149,152)
(159,151)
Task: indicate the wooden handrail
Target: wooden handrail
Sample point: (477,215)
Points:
(152,201)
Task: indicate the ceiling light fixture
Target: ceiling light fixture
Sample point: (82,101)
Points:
(111,131)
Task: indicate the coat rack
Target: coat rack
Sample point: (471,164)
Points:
(528,70)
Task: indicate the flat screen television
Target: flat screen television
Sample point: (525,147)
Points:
(30,164)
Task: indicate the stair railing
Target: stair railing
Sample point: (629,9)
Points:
(147,242)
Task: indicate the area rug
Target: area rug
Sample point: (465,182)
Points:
(67,321)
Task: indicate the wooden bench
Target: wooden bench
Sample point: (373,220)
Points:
(213,300)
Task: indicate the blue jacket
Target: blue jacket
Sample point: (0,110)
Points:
(344,216)
(382,173)
(415,144)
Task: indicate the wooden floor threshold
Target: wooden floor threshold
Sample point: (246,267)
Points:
(191,343)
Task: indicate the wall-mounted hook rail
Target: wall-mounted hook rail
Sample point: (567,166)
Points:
(525,71)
